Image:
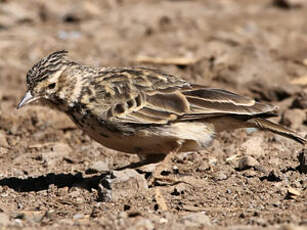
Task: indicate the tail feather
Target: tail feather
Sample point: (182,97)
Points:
(275,128)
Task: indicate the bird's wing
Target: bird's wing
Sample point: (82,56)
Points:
(208,102)
(150,97)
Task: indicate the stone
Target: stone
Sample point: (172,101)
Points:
(58,152)
(100,166)
(300,102)
(294,118)
(247,162)
(123,185)
(220,176)
(61,148)
(203,167)
(293,193)
(78,216)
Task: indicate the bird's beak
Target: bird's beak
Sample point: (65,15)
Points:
(27,98)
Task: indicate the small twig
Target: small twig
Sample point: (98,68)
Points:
(160,199)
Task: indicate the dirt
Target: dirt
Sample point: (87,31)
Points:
(53,176)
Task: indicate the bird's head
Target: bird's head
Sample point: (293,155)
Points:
(43,78)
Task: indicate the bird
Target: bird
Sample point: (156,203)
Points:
(141,110)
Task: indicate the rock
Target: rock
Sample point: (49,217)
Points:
(100,166)
(196,220)
(149,168)
(4,219)
(300,102)
(128,174)
(163,221)
(294,118)
(254,146)
(250,173)
(203,167)
(61,148)
(293,193)
(220,176)
(123,185)
(247,162)
(212,161)
(3,150)
(58,151)
(33,216)
(78,216)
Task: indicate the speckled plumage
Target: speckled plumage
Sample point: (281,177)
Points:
(141,110)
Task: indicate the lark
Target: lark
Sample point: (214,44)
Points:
(143,111)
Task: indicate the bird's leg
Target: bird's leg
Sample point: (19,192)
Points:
(149,159)
(157,173)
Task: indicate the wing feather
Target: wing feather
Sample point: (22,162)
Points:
(155,109)
(175,100)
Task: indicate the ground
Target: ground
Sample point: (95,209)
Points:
(52,175)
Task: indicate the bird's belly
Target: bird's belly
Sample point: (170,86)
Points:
(163,139)
(134,143)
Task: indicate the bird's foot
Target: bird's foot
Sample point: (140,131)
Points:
(158,179)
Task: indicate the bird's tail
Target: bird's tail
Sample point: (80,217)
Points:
(263,124)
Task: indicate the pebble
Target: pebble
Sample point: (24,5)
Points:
(300,102)
(149,168)
(61,148)
(58,151)
(250,173)
(163,221)
(294,118)
(293,193)
(247,162)
(78,216)
(212,161)
(220,176)
(204,166)
(100,166)
(125,184)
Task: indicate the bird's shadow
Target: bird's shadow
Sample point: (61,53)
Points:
(35,184)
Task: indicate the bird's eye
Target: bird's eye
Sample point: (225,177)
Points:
(51,86)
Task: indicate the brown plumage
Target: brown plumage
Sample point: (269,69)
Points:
(142,110)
